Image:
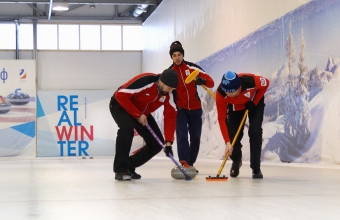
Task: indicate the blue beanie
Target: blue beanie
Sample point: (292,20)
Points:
(230,82)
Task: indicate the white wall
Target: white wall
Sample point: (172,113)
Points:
(82,69)
(205,26)
(86,70)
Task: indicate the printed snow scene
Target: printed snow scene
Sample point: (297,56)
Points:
(300,54)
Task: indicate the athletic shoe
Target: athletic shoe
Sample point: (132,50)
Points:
(122,176)
(134,175)
(235,168)
(184,164)
(257,174)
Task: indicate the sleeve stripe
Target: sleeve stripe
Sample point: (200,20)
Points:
(132,91)
(196,68)
(171,101)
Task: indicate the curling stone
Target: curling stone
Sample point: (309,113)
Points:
(18,98)
(176,173)
(4,106)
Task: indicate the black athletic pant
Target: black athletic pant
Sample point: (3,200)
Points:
(126,123)
(255,133)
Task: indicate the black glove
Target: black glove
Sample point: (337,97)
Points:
(250,105)
(200,81)
(168,150)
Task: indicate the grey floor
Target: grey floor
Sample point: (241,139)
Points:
(75,188)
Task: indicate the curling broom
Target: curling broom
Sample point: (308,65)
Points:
(192,77)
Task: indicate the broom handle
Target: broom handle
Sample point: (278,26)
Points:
(232,144)
(172,158)
(210,92)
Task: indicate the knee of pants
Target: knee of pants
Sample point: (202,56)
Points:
(126,132)
(154,145)
(237,147)
(181,134)
(255,131)
(155,149)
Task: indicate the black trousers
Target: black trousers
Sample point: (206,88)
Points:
(126,123)
(255,117)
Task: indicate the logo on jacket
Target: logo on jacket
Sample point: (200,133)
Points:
(147,94)
(162,99)
(247,94)
(263,81)
(187,72)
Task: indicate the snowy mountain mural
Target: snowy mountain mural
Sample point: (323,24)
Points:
(302,63)
(302,115)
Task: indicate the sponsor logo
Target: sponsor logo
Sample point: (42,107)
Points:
(247,94)
(225,82)
(162,99)
(263,81)
(22,74)
(187,72)
(3,75)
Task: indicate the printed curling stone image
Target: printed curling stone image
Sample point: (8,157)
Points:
(4,106)
(18,98)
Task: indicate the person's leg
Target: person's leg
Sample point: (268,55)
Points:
(123,140)
(233,121)
(151,148)
(255,136)
(182,135)
(195,130)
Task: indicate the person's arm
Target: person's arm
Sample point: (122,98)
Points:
(126,93)
(208,81)
(170,113)
(222,112)
(261,84)
(124,99)
(202,78)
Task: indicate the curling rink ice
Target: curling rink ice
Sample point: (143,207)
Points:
(75,188)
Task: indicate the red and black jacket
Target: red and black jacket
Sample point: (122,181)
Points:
(186,95)
(140,96)
(250,84)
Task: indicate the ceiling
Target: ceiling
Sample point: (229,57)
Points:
(96,11)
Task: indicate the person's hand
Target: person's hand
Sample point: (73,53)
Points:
(142,119)
(228,149)
(200,81)
(250,105)
(168,151)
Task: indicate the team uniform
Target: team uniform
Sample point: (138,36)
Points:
(136,97)
(231,111)
(189,116)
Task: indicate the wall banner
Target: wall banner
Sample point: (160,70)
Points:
(17,108)
(76,123)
